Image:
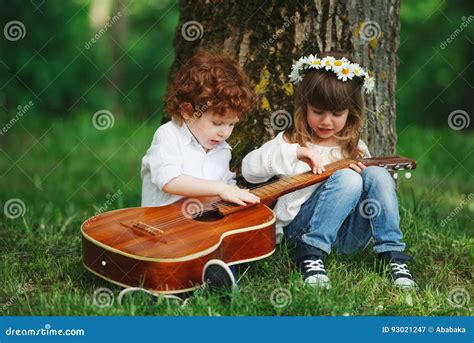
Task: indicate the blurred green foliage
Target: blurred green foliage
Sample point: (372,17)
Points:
(433,73)
(52,67)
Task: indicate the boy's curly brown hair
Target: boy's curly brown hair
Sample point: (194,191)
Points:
(209,82)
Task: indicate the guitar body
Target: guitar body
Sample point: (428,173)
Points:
(164,251)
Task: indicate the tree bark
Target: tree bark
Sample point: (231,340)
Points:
(266,37)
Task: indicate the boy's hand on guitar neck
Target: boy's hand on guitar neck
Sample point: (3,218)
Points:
(190,186)
(312,157)
(238,195)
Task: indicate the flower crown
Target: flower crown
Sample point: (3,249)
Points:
(343,68)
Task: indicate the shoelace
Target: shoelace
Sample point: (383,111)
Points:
(314,265)
(400,269)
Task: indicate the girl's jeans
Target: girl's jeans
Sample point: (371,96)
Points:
(346,211)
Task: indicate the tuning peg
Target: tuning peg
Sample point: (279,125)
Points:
(395,176)
(408,175)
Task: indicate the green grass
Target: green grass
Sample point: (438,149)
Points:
(65,176)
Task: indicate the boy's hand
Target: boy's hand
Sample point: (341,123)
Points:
(358,167)
(312,157)
(238,195)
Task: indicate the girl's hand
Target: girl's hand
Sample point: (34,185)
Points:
(358,167)
(238,195)
(312,157)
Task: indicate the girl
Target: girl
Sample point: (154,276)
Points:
(189,156)
(337,213)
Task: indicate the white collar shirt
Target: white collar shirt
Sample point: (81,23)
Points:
(174,151)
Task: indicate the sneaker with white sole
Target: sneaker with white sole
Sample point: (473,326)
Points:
(314,273)
(399,273)
(218,276)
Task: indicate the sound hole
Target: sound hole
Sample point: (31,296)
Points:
(208,216)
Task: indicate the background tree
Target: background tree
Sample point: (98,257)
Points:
(267,37)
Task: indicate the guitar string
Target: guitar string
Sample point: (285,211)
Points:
(210,206)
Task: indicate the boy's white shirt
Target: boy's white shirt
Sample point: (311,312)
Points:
(277,157)
(175,151)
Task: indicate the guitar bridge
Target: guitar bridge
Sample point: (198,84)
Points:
(145,228)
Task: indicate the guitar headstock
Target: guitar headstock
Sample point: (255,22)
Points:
(393,163)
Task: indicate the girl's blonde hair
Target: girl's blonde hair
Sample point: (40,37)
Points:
(321,89)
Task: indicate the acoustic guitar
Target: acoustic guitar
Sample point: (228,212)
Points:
(164,249)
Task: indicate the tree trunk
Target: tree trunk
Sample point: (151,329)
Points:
(119,31)
(267,37)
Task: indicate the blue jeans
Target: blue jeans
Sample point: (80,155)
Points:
(346,211)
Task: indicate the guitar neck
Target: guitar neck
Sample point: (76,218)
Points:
(269,193)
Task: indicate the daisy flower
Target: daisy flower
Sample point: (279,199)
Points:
(345,72)
(295,76)
(338,64)
(299,64)
(314,62)
(357,70)
(308,58)
(328,62)
(369,83)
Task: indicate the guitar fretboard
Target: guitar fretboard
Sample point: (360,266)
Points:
(269,192)
(289,184)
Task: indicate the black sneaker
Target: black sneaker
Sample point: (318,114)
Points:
(399,273)
(218,276)
(314,273)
